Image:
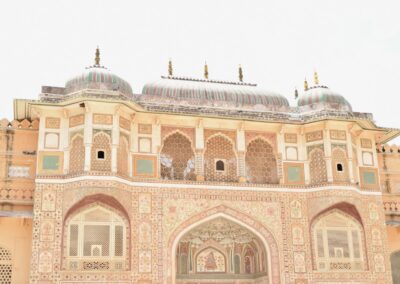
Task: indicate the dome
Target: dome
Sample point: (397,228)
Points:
(98,78)
(213,93)
(321,97)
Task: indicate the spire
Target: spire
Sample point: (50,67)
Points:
(97,58)
(170,69)
(305,84)
(205,71)
(316,81)
(296,94)
(240,73)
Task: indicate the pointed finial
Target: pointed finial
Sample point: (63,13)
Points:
(97,58)
(240,73)
(316,81)
(305,84)
(296,93)
(205,71)
(170,69)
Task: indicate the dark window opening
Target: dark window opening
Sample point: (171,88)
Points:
(339,167)
(220,166)
(100,155)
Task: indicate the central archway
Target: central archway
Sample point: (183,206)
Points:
(222,244)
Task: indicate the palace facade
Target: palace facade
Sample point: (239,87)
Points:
(195,181)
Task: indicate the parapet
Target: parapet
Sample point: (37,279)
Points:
(19,124)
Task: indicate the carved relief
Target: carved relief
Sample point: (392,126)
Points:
(299,261)
(337,134)
(376,237)
(76,120)
(379,262)
(48,200)
(145,261)
(124,123)
(366,143)
(144,203)
(314,136)
(47,230)
(45,261)
(53,122)
(145,233)
(144,128)
(102,119)
(290,138)
(297,235)
(295,209)
(373,211)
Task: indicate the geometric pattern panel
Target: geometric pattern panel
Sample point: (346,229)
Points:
(77,154)
(123,154)
(219,148)
(5,266)
(339,165)
(177,158)
(261,164)
(317,166)
(101,142)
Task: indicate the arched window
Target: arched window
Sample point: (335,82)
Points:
(177,158)
(220,166)
(340,165)
(96,240)
(318,172)
(220,148)
(77,154)
(5,266)
(261,166)
(338,242)
(123,154)
(101,152)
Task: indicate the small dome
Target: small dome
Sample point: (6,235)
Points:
(98,78)
(213,93)
(319,97)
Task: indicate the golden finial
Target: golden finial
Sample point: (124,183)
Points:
(205,71)
(305,85)
(296,93)
(240,73)
(316,81)
(97,59)
(170,70)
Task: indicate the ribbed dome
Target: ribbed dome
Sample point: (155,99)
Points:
(213,93)
(98,78)
(321,97)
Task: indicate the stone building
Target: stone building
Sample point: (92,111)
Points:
(195,181)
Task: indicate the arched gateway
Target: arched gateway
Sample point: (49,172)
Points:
(224,245)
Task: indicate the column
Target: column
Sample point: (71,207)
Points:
(303,156)
(199,144)
(88,138)
(282,151)
(64,142)
(241,150)
(350,157)
(328,154)
(115,143)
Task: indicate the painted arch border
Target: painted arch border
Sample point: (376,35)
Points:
(237,217)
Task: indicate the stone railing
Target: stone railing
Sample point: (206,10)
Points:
(391,204)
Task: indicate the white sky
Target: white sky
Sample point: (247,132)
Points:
(354,45)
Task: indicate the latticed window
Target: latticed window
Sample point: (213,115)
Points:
(5,266)
(96,240)
(338,243)
(177,158)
